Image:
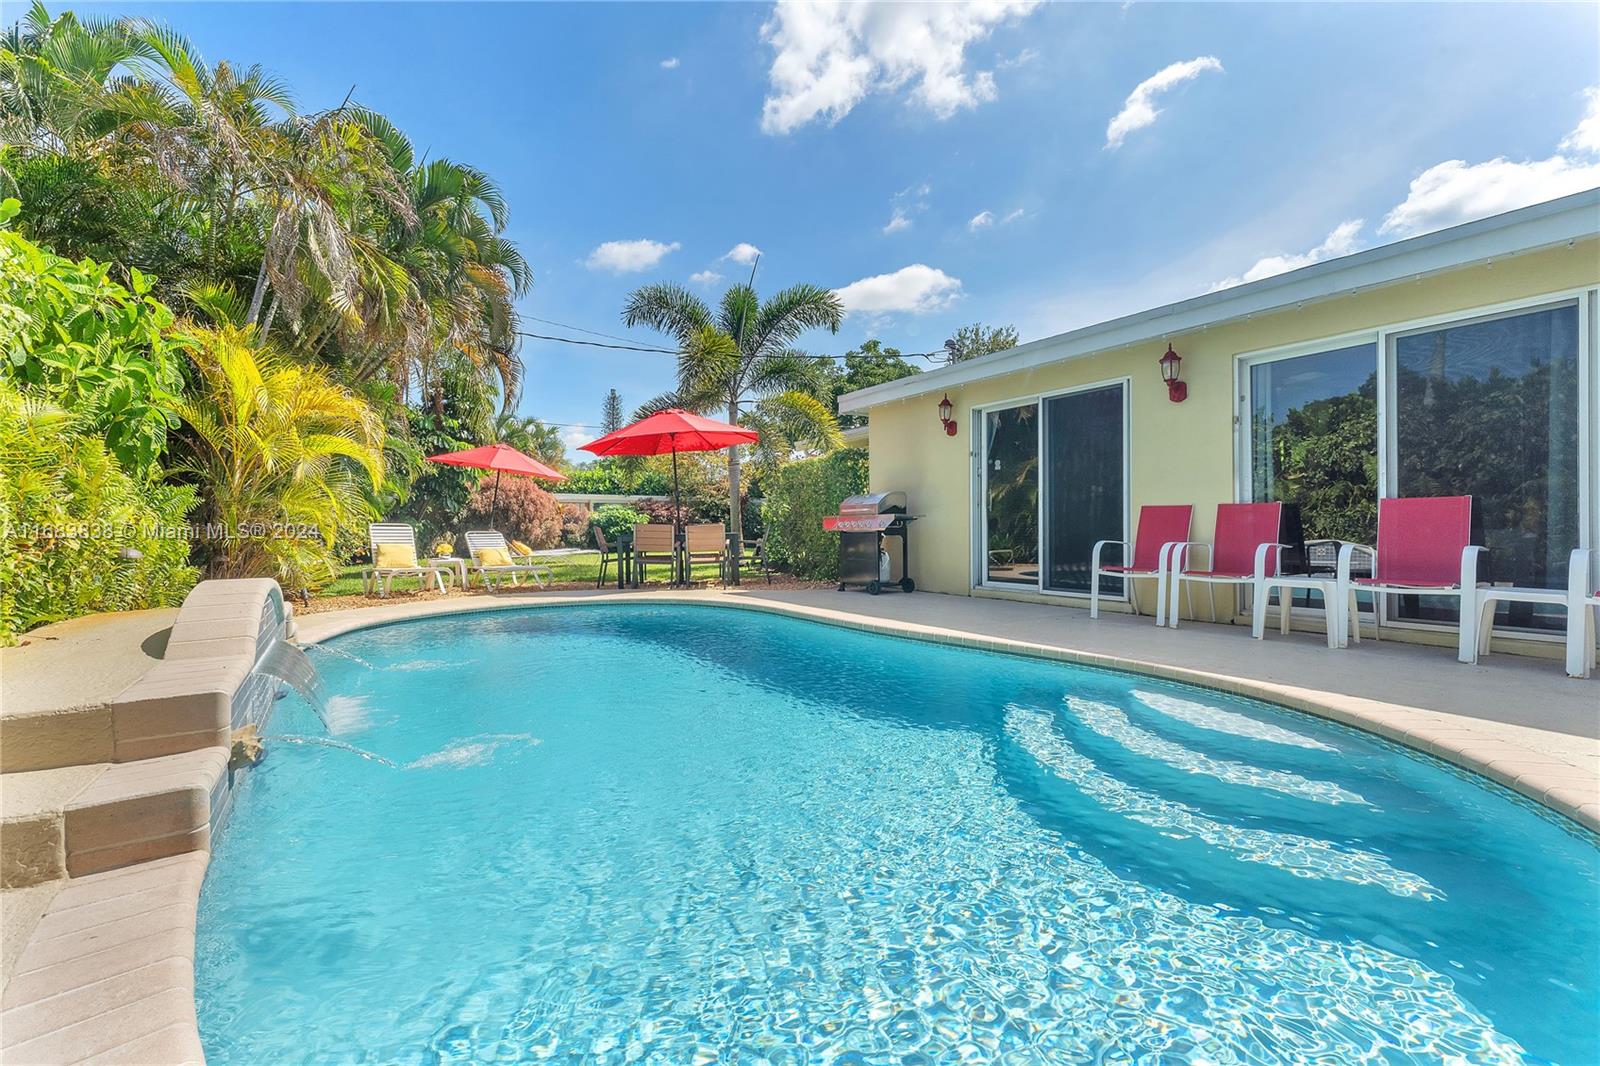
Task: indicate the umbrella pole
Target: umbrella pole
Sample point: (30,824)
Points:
(494,501)
(677,508)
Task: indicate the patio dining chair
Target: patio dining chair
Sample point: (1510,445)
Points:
(1583,601)
(754,558)
(492,557)
(1161,527)
(1424,549)
(706,542)
(606,552)
(1247,549)
(394,554)
(653,543)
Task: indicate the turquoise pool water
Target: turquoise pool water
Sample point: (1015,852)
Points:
(673,834)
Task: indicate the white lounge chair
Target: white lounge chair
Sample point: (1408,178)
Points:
(491,555)
(394,554)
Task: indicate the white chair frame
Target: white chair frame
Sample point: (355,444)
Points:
(1178,558)
(482,539)
(1160,574)
(381,578)
(1465,593)
(1582,604)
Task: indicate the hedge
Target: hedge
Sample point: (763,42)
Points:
(798,498)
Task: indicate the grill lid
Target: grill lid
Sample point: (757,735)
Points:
(869,503)
(868,523)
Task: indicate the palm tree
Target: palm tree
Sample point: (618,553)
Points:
(287,459)
(741,360)
(532,437)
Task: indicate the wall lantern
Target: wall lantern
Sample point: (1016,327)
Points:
(945,411)
(1177,389)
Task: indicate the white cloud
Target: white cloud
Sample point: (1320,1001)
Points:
(1344,239)
(670,63)
(1456,191)
(980,220)
(1586,137)
(1140,110)
(831,55)
(628,257)
(912,200)
(742,253)
(579,434)
(1021,59)
(705,277)
(1012,216)
(916,288)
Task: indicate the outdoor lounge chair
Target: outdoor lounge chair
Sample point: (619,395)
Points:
(1424,549)
(1161,527)
(706,542)
(492,556)
(394,554)
(1248,549)
(1582,602)
(653,543)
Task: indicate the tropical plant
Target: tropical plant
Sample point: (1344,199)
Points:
(71,335)
(519,508)
(531,437)
(614,520)
(800,496)
(287,458)
(81,533)
(740,362)
(617,477)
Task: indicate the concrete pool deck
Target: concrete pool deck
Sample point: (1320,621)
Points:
(100,967)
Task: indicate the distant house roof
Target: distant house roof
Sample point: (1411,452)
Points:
(1526,229)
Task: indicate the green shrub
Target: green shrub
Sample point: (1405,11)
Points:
(102,352)
(617,477)
(798,498)
(614,520)
(70,513)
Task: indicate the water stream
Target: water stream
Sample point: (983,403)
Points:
(289,664)
(328,742)
(340,652)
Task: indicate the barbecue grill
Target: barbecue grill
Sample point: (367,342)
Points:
(864,524)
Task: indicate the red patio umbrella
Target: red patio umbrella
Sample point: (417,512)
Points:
(671,431)
(501,458)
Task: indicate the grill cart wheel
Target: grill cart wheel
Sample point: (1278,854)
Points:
(873,588)
(907,585)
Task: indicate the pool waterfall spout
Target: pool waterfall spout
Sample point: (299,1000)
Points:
(289,663)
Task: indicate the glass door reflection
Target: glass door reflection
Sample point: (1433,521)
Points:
(1011,495)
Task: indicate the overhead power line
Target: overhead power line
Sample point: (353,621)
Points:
(930,356)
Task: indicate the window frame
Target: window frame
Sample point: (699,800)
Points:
(1383,338)
(979,487)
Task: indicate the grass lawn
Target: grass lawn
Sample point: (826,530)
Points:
(564,569)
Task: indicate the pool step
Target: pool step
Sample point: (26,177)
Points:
(107,975)
(78,820)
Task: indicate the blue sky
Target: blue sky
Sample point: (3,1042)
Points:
(1256,138)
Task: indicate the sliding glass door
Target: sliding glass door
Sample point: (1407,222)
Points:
(1011,496)
(1085,485)
(1490,409)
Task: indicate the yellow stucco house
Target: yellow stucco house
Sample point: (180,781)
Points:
(1461,362)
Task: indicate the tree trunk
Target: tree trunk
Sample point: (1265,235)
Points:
(260,293)
(735,512)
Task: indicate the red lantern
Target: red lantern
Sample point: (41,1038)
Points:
(945,411)
(1177,389)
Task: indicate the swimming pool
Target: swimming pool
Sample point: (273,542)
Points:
(666,833)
